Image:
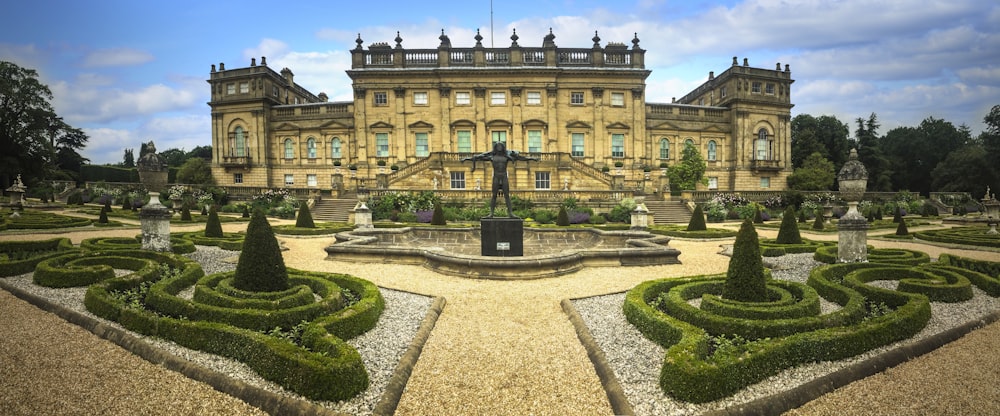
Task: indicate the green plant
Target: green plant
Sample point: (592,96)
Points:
(663,165)
(213,227)
(438,217)
(897,215)
(304,219)
(103,218)
(261,267)
(336,162)
(901,229)
(246,211)
(789,231)
(185,213)
(697,222)
(394,167)
(818,223)
(562,219)
(605,169)
(380,162)
(619,164)
(745,279)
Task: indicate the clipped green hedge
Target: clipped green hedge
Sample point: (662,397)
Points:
(40,220)
(20,257)
(681,231)
(692,371)
(82,269)
(320,228)
(300,294)
(324,368)
(177,244)
(982,273)
(828,254)
(228,241)
(973,236)
(771,248)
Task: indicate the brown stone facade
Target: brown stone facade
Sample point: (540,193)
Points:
(416,112)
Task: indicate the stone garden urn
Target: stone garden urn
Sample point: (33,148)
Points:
(992,208)
(852,238)
(152,170)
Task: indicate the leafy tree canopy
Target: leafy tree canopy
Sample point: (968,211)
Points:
(825,134)
(195,171)
(690,171)
(816,174)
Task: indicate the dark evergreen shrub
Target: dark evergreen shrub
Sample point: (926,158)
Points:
(103,219)
(818,223)
(213,227)
(878,213)
(305,218)
(438,217)
(261,267)
(758,218)
(929,210)
(901,229)
(246,211)
(697,222)
(745,280)
(185,214)
(802,216)
(562,219)
(126,204)
(204,210)
(789,231)
(897,216)
(107,205)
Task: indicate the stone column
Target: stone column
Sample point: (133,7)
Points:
(852,229)
(155,221)
(363,216)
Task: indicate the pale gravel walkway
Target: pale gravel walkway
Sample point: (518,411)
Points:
(506,347)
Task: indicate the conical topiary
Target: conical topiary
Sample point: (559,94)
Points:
(204,210)
(818,224)
(107,205)
(757,217)
(901,229)
(103,218)
(126,203)
(789,231)
(305,218)
(878,213)
(185,214)
(438,217)
(802,216)
(745,279)
(246,211)
(897,216)
(213,227)
(697,222)
(261,267)
(562,219)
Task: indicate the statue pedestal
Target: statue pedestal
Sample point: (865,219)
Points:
(502,237)
(852,237)
(155,221)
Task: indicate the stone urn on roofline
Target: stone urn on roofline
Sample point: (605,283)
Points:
(852,237)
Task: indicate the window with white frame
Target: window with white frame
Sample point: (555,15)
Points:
(498,98)
(712,150)
(380,98)
(311,179)
(760,145)
(230,89)
(769,89)
(499,136)
(420,98)
(543,180)
(617,99)
(289,149)
(463,98)
(534,141)
(765,182)
(335,146)
(244,87)
(617,145)
(576,98)
(381,144)
(311,148)
(755,87)
(713,182)
(664,148)
(240,147)
(289,179)
(534,98)
(722,92)
(237,178)
(577,150)
(457,180)
(464,138)
(422,148)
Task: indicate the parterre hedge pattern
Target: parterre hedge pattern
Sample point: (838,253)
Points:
(828,254)
(177,244)
(972,236)
(218,318)
(722,346)
(770,247)
(40,220)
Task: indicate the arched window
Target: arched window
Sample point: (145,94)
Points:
(664,148)
(760,146)
(311,148)
(712,150)
(335,148)
(289,149)
(688,142)
(240,143)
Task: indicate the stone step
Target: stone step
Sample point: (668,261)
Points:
(333,210)
(668,212)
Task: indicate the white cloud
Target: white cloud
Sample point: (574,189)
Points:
(116,57)
(266,48)
(94,99)
(107,144)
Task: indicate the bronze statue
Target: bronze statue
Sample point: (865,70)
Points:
(499,158)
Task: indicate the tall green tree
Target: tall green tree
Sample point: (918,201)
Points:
(128,160)
(32,136)
(815,174)
(914,152)
(990,139)
(871,155)
(174,157)
(969,169)
(204,152)
(690,171)
(195,171)
(825,134)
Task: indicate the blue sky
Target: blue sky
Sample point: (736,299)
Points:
(132,71)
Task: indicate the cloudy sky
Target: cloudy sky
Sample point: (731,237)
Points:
(133,71)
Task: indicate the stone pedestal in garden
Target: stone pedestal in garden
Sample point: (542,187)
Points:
(640,216)
(852,229)
(502,237)
(363,216)
(16,193)
(155,221)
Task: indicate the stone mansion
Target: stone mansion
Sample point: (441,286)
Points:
(417,112)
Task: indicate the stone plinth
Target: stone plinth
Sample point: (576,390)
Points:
(502,237)
(852,237)
(155,221)
(363,216)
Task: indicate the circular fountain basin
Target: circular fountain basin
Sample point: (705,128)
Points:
(549,251)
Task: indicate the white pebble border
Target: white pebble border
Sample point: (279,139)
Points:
(381,348)
(636,361)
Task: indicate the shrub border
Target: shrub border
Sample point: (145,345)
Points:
(62,246)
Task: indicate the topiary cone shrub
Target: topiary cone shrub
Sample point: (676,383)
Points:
(261,267)
(204,210)
(213,227)
(107,205)
(246,211)
(438,217)
(757,217)
(185,214)
(897,216)
(745,279)
(901,229)
(562,219)
(305,218)
(126,203)
(802,216)
(103,218)
(818,224)
(789,231)
(697,222)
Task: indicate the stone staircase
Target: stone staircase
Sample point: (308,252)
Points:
(668,212)
(333,210)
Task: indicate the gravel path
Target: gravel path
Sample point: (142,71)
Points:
(498,347)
